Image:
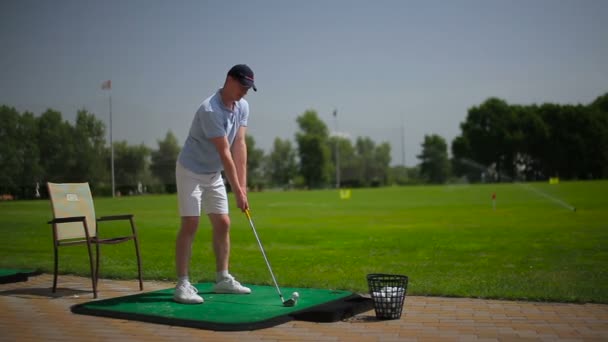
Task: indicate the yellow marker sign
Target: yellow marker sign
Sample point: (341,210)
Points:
(345,193)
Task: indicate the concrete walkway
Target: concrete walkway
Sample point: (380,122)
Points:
(31,312)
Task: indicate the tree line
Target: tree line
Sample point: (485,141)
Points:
(498,142)
(37,149)
(312,162)
(533,142)
(47,148)
(507,142)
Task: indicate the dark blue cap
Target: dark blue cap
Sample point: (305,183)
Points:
(244,75)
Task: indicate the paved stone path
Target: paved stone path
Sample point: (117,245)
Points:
(31,312)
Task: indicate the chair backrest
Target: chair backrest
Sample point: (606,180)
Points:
(69,200)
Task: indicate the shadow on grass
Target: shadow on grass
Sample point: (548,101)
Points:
(44,292)
(363,319)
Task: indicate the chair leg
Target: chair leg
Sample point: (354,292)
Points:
(141,282)
(134,230)
(56,269)
(93,278)
(97,247)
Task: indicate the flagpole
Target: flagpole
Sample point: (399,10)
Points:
(112,147)
(107,85)
(337,151)
(403,148)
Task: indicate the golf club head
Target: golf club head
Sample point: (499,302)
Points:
(293,300)
(290,302)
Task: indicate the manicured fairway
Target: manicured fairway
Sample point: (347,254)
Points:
(448,239)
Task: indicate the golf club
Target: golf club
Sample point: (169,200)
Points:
(294,298)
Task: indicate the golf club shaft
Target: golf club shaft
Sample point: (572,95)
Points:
(264,254)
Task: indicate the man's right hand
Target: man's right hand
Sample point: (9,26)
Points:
(241,200)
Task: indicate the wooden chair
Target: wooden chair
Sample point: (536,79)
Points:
(74,223)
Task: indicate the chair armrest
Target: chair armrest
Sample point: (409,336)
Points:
(115,217)
(67,219)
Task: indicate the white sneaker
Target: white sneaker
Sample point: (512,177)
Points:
(187,294)
(230,285)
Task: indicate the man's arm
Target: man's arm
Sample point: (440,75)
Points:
(239,155)
(230,169)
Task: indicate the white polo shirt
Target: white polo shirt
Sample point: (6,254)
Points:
(211,120)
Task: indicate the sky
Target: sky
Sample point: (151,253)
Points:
(394,71)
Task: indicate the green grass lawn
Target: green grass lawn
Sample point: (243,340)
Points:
(447,239)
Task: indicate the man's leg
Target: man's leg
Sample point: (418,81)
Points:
(184,291)
(221,246)
(189,197)
(183,245)
(221,240)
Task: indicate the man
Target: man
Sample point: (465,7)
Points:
(216,142)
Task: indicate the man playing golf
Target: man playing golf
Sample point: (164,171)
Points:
(216,142)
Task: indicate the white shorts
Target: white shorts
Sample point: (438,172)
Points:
(195,191)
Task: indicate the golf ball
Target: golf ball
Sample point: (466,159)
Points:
(295,295)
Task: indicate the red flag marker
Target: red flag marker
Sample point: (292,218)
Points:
(106,85)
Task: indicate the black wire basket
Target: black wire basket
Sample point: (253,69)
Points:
(388,294)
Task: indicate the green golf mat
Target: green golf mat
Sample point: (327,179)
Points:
(13,275)
(230,312)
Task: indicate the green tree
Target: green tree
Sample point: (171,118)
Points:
(461,152)
(534,142)
(30,173)
(364,147)
(89,150)
(403,175)
(601,104)
(130,166)
(577,142)
(255,162)
(57,157)
(486,138)
(163,161)
(434,164)
(372,161)
(599,113)
(10,155)
(349,165)
(382,160)
(281,166)
(530,138)
(313,149)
